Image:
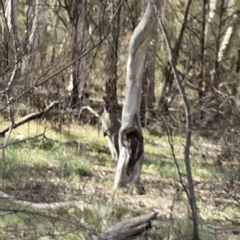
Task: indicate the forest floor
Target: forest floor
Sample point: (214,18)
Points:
(59,186)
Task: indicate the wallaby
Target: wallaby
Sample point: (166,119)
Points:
(110,128)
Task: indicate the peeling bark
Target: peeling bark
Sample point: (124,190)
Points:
(128,229)
(131,160)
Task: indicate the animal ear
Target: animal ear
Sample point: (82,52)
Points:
(109,105)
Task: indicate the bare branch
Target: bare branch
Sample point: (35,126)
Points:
(90,110)
(129,228)
(29,117)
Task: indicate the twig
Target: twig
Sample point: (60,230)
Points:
(170,142)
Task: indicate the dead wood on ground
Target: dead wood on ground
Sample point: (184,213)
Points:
(128,229)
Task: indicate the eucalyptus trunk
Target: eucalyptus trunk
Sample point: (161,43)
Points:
(131,141)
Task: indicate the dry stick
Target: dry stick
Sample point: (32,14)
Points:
(192,199)
(78,203)
(170,142)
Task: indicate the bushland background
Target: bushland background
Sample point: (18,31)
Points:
(56,171)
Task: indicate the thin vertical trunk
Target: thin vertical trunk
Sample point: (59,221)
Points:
(14,21)
(168,75)
(212,38)
(202,49)
(226,44)
(11,35)
(112,55)
(33,39)
(10,31)
(215,72)
(6,6)
(55,35)
(29,10)
(77,11)
(190,193)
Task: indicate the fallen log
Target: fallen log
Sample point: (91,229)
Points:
(30,117)
(128,229)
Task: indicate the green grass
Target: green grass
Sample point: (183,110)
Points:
(58,167)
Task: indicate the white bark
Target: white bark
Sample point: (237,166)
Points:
(7,7)
(212,27)
(11,13)
(225,42)
(231,30)
(212,30)
(213,18)
(131,109)
(10,27)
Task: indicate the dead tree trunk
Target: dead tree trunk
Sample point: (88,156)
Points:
(128,229)
(130,134)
